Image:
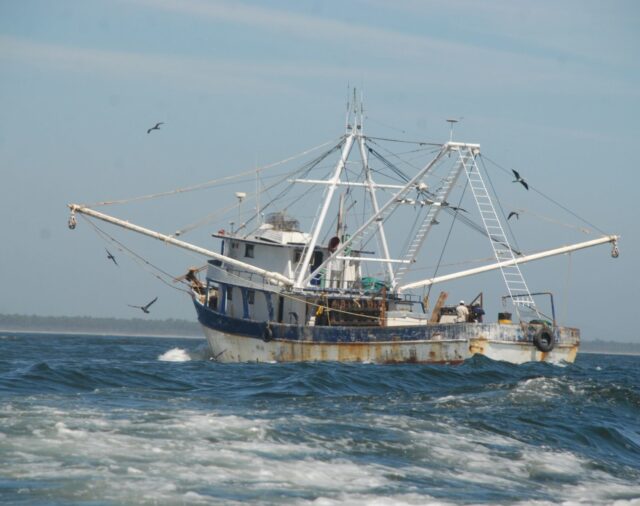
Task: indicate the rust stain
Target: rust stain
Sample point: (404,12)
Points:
(440,351)
(435,362)
(477,346)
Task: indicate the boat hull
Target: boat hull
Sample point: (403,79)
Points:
(236,340)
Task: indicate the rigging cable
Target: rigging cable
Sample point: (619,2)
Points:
(218,214)
(210,183)
(549,198)
(444,247)
(463,218)
(421,143)
(138,258)
(302,171)
(504,216)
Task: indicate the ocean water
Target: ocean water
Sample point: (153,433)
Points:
(104,420)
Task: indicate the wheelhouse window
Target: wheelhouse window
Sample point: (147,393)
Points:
(251,296)
(248,250)
(229,293)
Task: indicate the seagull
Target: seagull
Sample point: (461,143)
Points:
(455,208)
(519,179)
(110,256)
(513,213)
(156,127)
(145,309)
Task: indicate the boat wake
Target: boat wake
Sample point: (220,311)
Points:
(182,355)
(175,355)
(110,419)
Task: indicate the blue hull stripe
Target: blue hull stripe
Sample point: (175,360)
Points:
(336,334)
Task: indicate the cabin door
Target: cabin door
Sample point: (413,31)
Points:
(280,308)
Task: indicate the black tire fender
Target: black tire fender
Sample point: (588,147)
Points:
(267,334)
(544,340)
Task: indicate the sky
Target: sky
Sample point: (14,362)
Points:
(552,88)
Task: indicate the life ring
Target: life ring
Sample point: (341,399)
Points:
(544,340)
(267,335)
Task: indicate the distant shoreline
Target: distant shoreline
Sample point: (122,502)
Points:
(100,326)
(100,333)
(604,352)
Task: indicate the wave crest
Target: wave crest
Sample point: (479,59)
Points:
(175,355)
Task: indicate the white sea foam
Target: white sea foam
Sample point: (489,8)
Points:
(176,456)
(175,355)
(378,500)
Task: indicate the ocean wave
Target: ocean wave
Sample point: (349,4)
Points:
(118,422)
(175,355)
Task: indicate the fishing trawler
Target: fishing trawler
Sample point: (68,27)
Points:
(337,289)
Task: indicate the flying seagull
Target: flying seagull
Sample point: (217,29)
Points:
(145,309)
(156,127)
(110,256)
(513,213)
(455,208)
(519,179)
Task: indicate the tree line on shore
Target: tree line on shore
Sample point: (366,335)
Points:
(90,324)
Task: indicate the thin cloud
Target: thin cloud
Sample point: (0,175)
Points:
(415,58)
(384,42)
(119,64)
(572,29)
(210,74)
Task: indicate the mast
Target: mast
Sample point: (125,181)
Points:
(376,208)
(384,211)
(333,183)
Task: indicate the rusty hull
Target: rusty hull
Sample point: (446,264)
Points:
(227,347)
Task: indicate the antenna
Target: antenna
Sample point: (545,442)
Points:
(240,196)
(360,125)
(258,217)
(451,122)
(352,112)
(346,120)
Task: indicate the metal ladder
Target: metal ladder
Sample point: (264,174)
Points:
(430,219)
(516,285)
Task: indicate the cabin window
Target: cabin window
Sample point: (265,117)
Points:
(251,296)
(297,255)
(317,261)
(248,250)
(229,293)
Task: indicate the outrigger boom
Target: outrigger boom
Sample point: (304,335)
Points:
(273,276)
(520,260)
